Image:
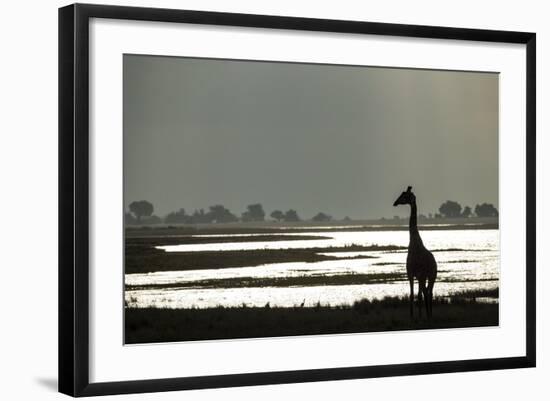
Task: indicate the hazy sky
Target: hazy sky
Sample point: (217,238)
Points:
(336,139)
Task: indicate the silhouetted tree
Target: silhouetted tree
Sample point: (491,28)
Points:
(219,214)
(346,218)
(141,209)
(450,209)
(254,212)
(467,212)
(152,220)
(129,218)
(486,210)
(199,216)
(177,217)
(291,215)
(321,217)
(277,215)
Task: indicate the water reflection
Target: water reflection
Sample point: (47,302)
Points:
(467,260)
(436,239)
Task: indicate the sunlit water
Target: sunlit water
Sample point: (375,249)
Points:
(467,260)
(436,239)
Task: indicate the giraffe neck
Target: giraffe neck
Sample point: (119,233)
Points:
(414,235)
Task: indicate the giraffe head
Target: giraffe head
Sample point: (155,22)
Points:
(406,198)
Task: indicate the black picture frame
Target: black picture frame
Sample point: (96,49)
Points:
(74,192)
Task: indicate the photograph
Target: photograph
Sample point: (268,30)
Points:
(267,198)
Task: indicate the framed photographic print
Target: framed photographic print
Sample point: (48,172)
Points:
(251,199)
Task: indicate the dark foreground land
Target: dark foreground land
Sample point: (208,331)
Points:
(168,325)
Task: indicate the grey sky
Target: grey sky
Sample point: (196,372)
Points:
(342,140)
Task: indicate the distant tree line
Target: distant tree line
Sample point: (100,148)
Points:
(451,209)
(141,212)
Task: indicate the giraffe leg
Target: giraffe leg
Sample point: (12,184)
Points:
(411,298)
(430,296)
(421,289)
(427,302)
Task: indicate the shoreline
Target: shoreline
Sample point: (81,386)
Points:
(164,230)
(152,325)
(143,257)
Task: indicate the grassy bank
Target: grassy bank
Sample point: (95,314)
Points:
(143,257)
(177,239)
(288,281)
(295,281)
(168,325)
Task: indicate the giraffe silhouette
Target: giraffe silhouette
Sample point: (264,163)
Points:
(421,263)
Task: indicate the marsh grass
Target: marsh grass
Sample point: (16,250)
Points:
(389,314)
(302,281)
(141,256)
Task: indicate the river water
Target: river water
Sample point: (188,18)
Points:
(467,260)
